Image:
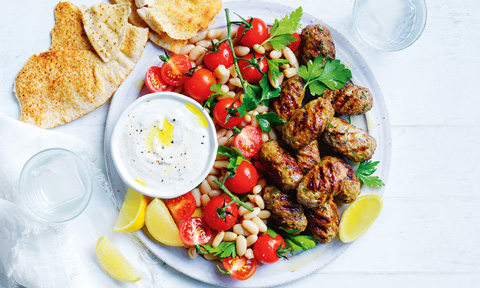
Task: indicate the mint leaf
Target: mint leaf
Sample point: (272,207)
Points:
(267,120)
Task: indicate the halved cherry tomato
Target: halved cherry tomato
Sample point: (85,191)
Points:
(220,113)
(195,231)
(198,86)
(257,34)
(222,57)
(251,74)
(155,82)
(249,140)
(174,68)
(182,207)
(294,45)
(216,218)
(268,250)
(245,179)
(240,267)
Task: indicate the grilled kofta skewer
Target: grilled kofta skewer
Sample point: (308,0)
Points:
(316,40)
(285,209)
(290,99)
(280,165)
(308,156)
(348,140)
(350,100)
(323,220)
(307,123)
(351,187)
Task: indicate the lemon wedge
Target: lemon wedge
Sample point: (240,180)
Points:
(132,214)
(161,225)
(359,216)
(113,262)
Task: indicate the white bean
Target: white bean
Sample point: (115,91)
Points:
(199,36)
(261,226)
(268,46)
(233,72)
(205,187)
(242,211)
(218,239)
(249,254)
(262,182)
(224,87)
(204,43)
(255,121)
(264,214)
(233,33)
(186,49)
(214,33)
(195,53)
(250,226)
(229,134)
(199,60)
(241,51)
(250,215)
(277,82)
(251,239)
(259,201)
(275,54)
(221,132)
(251,197)
(235,82)
(214,171)
(261,108)
(220,164)
(210,180)
(231,94)
(237,228)
(290,72)
(205,199)
(247,118)
(272,134)
(265,137)
(259,49)
(222,74)
(222,141)
(241,245)
(196,194)
(214,193)
(290,56)
(230,236)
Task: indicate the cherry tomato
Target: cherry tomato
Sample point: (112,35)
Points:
(182,207)
(213,214)
(222,57)
(173,70)
(245,179)
(268,249)
(251,74)
(294,45)
(220,113)
(198,86)
(257,34)
(240,267)
(195,231)
(155,82)
(249,140)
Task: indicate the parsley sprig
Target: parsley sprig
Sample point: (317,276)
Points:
(223,250)
(282,30)
(321,75)
(364,174)
(297,242)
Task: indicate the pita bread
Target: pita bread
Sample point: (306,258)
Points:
(68,32)
(180,19)
(106,26)
(161,39)
(61,85)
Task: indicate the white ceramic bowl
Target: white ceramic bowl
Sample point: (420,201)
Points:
(122,168)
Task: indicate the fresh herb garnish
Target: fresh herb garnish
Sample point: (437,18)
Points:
(320,76)
(266,120)
(216,88)
(282,30)
(300,242)
(274,67)
(223,250)
(364,174)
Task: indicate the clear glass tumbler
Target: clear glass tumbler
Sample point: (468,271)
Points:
(390,25)
(55,185)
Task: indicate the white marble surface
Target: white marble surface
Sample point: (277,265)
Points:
(428,232)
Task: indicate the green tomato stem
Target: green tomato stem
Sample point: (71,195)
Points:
(233,197)
(235,59)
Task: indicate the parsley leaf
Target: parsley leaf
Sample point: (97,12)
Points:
(216,89)
(266,120)
(235,155)
(273,67)
(223,250)
(319,75)
(282,30)
(364,174)
(268,92)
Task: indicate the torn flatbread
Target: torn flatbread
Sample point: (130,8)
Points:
(106,27)
(61,85)
(180,19)
(161,39)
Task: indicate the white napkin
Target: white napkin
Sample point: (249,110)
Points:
(34,253)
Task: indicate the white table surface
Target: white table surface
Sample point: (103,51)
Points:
(428,234)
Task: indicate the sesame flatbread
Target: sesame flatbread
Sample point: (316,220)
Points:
(180,19)
(106,27)
(68,32)
(61,85)
(161,39)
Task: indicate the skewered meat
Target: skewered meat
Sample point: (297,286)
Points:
(350,100)
(280,165)
(348,140)
(323,180)
(290,99)
(323,220)
(308,156)
(286,211)
(351,188)
(307,123)
(316,40)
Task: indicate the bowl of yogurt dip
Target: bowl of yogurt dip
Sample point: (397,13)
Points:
(164,144)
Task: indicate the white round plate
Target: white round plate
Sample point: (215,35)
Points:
(284,270)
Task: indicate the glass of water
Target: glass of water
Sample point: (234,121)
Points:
(55,185)
(389,25)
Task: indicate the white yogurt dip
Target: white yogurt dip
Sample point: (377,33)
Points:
(164,144)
